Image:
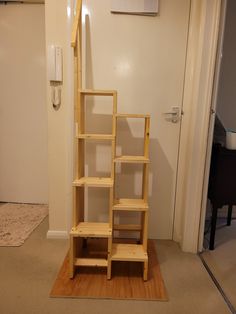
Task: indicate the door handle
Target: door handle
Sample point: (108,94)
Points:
(173,115)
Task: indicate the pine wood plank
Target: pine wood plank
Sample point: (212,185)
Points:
(144,229)
(92,229)
(91,262)
(131,159)
(96,136)
(146,137)
(128,252)
(131,115)
(130,204)
(76,22)
(126,227)
(98,92)
(145,182)
(71,258)
(93,182)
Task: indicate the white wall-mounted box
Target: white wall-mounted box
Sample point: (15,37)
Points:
(55,63)
(143,7)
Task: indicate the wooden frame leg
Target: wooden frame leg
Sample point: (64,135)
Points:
(72,257)
(109,269)
(145,270)
(229,217)
(213,227)
(109,264)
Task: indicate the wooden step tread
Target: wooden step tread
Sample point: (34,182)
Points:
(94,182)
(130,204)
(92,230)
(131,159)
(98,92)
(96,136)
(131,115)
(128,252)
(92,262)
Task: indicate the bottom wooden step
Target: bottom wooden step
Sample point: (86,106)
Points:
(93,262)
(128,252)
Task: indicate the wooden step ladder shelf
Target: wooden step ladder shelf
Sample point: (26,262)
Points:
(82,230)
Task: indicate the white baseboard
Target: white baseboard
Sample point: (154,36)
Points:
(56,234)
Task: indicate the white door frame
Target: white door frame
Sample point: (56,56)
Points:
(212,123)
(198,87)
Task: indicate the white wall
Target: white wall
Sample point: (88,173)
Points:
(23,114)
(60,122)
(226,104)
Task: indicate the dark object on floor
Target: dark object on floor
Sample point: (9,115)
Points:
(222,185)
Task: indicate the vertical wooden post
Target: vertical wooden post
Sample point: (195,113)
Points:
(145,194)
(72,257)
(146,136)
(77,195)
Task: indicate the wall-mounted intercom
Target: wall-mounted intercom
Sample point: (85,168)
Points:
(55,74)
(55,64)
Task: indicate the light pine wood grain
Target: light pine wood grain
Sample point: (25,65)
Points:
(126,281)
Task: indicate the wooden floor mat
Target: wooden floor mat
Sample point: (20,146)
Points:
(126,282)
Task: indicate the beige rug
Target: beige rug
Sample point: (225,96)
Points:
(17,221)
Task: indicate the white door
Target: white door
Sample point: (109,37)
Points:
(23,115)
(143,58)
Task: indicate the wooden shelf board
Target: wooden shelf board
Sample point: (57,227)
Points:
(94,182)
(92,262)
(126,227)
(128,252)
(131,159)
(92,230)
(96,136)
(130,204)
(130,115)
(98,92)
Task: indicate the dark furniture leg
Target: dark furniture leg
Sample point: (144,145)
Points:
(213,227)
(230,208)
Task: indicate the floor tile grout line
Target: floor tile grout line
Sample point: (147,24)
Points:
(218,286)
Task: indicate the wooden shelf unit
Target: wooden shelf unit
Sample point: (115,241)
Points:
(132,252)
(81,230)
